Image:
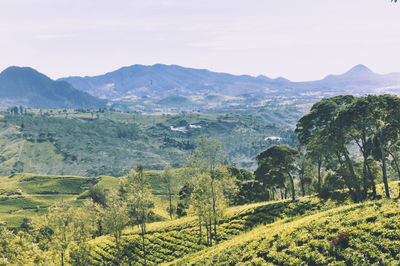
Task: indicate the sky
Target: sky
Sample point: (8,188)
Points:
(297,39)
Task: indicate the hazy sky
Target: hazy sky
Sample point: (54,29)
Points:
(297,39)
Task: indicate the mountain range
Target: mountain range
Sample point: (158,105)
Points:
(166,80)
(172,88)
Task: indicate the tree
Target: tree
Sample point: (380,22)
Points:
(304,169)
(385,126)
(277,164)
(140,200)
(202,203)
(84,224)
(315,128)
(60,220)
(184,198)
(206,158)
(356,122)
(98,194)
(115,218)
(20,249)
(167,180)
(321,130)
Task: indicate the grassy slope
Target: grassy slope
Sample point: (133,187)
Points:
(274,228)
(29,195)
(167,241)
(374,237)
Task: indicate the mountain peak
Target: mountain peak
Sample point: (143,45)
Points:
(27,87)
(18,70)
(359,69)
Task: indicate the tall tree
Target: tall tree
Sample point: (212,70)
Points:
(167,181)
(276,165)
(140,200)
(207,157)
(320,130)
(60,220)
(115,218)
(356,121)
(385,126)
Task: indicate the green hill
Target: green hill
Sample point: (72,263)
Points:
(29,195)
(309,231)
(356,234)
(89,143)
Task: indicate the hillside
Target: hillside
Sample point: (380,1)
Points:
(89,143)
(29,195)
(277,232)
(357,234)
(24,86)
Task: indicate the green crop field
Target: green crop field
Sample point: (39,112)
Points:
(356,234)
(29,195)
(278,232)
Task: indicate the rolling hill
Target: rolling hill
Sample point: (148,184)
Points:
(309,231)
(92,143)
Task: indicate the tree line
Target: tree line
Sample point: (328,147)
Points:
(348,138)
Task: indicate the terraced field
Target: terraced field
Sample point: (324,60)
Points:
(168,241)
(29,195)
(309,231)
(357,234)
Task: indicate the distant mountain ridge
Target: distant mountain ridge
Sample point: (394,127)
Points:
(166,80)
(27,87)
(174,89)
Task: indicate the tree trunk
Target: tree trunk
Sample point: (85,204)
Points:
(383,159)
(319,174)
(372,182)
(354,181)
(170,200)
(143,244)
(292,184)
(213,205)
(396,163)
(211,236)
(200,236)
(207,233)
(303,191)
(118,248)
(365,183)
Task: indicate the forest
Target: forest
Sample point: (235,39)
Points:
(331,197)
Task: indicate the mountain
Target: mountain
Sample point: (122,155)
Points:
(175,89)
(167,80)
(358,80)
(27,87)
